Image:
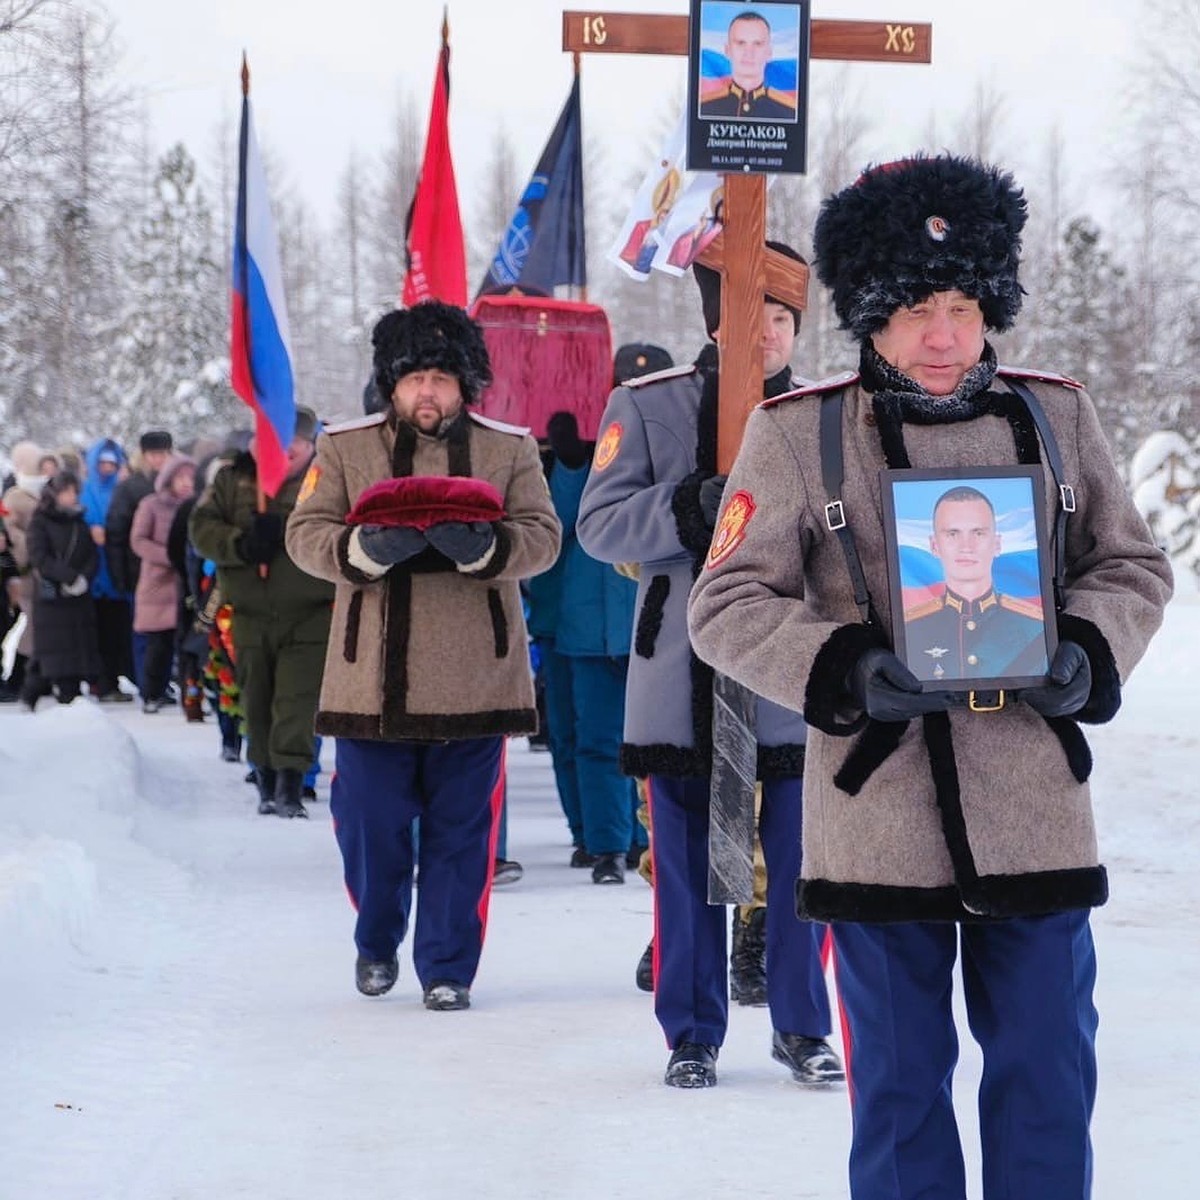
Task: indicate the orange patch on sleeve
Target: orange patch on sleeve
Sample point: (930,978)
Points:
(731,528)
(311,478)
(607,446)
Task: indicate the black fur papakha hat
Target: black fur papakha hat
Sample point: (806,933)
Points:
(431,336)
(709,283)
(908,229)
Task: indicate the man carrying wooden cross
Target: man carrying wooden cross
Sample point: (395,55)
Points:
(652,498)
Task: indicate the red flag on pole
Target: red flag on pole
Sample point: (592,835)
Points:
(436,254)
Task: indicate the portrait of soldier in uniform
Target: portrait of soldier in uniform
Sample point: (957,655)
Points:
(971,630)
(746,93)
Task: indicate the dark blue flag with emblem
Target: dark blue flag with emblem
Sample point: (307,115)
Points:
(543,247)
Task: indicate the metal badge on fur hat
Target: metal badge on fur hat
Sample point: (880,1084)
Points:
(431,336)
(908,229)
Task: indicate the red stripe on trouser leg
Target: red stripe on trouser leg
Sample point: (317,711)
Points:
(655,939)
(496,804)
(828,953)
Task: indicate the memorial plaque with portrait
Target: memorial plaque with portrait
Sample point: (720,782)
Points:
(748,86)
(969,570)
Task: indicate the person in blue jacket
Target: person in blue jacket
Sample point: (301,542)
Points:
(107,465)
(581,615)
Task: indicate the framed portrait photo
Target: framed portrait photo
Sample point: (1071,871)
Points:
(748,86)
(969,573)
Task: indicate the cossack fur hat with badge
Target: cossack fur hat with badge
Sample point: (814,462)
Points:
(431,336)
(907,229)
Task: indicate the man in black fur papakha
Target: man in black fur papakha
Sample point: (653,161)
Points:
(951,820)
(425,516)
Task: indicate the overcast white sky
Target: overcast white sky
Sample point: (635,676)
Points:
(326,76)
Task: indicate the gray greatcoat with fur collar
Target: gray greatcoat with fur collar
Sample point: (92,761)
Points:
(425,651)
(966,814)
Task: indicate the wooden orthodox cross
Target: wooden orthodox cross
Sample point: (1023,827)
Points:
(739,253)
(748,270)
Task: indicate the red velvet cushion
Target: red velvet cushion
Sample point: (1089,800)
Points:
(420,501)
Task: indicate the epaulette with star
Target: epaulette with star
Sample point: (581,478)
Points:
(1040,376)
(657,376)
(357,423)
(835,383)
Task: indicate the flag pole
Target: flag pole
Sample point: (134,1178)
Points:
(577,58)
(260,495)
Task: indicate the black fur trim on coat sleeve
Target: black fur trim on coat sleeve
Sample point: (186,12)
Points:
(351,572)
(825,698)
(499,559)
(1105,696)
(694,531)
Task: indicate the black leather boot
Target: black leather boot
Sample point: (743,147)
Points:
(265,781)
(288,787)
(748,958)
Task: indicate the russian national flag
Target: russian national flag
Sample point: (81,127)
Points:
(260,346)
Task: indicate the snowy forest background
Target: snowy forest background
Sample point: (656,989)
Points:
(114,252)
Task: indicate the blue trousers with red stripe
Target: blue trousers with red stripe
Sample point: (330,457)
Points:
(377,791)
(691,992)
(1028,990)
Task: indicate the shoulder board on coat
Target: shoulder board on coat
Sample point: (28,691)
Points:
(657,376)
(1027,608)
(1040,376)
(357,423)
(499,426)
(925,609)
(834,383)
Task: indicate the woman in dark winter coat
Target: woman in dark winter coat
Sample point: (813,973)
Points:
(64,561)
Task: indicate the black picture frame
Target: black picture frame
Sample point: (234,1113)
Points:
(988,623)
(764,129)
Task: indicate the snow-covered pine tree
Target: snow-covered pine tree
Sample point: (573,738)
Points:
(169,365)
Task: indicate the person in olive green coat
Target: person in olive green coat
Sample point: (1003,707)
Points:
(281,616)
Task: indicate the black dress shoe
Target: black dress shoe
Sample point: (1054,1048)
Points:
(811,1060)
(609,868)
(692,1065)
(645,968)
(444,996)
(581,858)
(373,977)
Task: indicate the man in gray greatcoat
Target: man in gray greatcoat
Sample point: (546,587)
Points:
(651,499)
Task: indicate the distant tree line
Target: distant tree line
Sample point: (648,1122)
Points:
(114,256)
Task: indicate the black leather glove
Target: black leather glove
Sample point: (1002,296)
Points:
(711,491)
(460,541)
(389,544)
(261,542)
(886,690)
(1069,686)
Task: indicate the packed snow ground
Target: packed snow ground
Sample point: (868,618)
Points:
(180,1021)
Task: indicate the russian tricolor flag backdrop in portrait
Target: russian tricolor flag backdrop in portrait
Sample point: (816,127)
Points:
(260,347)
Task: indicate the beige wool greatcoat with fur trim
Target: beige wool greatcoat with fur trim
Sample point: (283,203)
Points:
(425,652)
(971,814)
